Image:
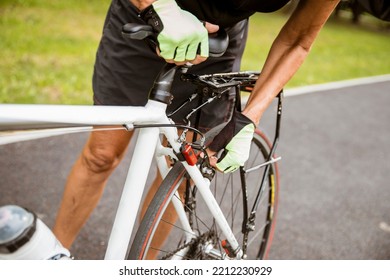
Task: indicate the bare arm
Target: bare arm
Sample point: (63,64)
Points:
(288,52)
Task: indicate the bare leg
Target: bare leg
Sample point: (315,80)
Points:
(100,156)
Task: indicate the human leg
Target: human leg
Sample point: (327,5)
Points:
(123,72)
(100,156)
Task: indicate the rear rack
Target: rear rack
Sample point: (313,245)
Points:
(245,80)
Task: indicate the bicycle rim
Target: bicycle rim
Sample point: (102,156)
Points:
(204,239)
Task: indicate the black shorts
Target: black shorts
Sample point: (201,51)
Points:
(125,69)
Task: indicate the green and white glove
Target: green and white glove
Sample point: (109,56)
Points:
(179,33)
(235,138)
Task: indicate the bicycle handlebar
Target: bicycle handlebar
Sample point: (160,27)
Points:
(218,42)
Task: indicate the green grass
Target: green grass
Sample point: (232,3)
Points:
(48,49)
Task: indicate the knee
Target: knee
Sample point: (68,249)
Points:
(100,160)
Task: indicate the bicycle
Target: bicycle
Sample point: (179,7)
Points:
(216,233)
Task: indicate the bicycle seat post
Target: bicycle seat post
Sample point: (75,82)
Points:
(161,89)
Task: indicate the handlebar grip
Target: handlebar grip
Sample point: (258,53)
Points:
(218,42)
(137,31)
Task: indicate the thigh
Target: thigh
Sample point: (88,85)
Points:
(124,69)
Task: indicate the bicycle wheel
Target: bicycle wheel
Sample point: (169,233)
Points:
(160,236)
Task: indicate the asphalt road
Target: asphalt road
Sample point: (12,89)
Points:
(335,178)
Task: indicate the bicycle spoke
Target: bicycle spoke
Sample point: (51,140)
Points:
(177,227)
(258,232)
(194,213)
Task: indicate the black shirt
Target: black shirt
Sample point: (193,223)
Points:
(228,12)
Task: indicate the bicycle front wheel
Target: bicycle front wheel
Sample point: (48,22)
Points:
(162,236)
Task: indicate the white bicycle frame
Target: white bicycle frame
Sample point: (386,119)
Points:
(81,118)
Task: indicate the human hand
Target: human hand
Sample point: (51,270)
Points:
(179,33)
(235,138)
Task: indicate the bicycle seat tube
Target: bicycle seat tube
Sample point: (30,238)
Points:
(161,89)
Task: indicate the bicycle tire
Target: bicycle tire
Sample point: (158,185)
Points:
(229,196)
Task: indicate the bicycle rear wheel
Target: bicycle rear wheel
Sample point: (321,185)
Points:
(161,237)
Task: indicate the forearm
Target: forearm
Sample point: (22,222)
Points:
(287,53)
(282,63)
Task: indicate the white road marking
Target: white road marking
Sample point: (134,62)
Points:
(336,85)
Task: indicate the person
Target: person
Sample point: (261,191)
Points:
(125,69)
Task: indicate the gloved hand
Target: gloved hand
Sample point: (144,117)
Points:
(179,32)
(236,139)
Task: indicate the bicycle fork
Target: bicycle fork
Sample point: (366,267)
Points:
(203,186)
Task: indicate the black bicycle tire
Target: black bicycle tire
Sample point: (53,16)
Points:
(170,185)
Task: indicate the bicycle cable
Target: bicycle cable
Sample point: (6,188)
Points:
(136,126)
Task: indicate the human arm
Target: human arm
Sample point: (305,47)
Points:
(287,53)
